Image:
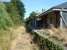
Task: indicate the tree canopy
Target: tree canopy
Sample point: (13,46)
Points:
(19,7)
(5,19)
(16,10)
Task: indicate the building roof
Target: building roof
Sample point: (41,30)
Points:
(61,6)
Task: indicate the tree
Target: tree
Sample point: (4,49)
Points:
(5,20)
(19,7)
(29,20)
(16,10)
(32,15)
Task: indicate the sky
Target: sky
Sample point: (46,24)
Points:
(38,5)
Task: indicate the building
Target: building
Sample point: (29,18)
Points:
(55,16)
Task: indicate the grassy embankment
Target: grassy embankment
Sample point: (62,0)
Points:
(6,27)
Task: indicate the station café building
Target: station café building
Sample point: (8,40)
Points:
(56,16)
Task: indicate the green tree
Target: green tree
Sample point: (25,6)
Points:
(14,14)
(5,20)
(32,15)
(12,10)
(19,7)
(29,20)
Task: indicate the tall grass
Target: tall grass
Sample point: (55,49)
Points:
(56,34)
(5,23)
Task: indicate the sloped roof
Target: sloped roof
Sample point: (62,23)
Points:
(60,6)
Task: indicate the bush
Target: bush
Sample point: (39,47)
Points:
(44,43)
(5,20)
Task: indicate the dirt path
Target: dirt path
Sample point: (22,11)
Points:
(22,41)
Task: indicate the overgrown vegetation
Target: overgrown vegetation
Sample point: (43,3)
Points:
(29,20)
(45,44)
(16,10)
(11,15)
(5,19)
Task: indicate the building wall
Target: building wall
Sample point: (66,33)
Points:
(52,18)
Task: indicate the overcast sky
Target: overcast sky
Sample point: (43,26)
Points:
(34,5)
